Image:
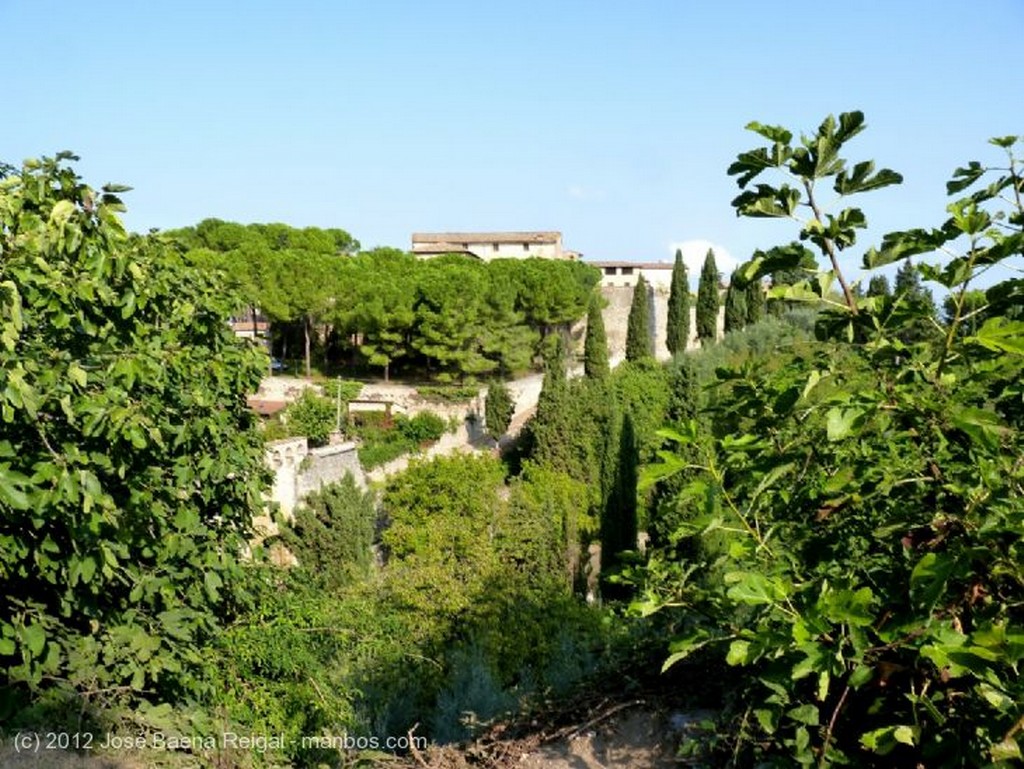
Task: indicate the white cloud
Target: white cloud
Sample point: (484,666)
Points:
(694,253)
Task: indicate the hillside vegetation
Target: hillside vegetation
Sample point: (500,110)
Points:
(815,522)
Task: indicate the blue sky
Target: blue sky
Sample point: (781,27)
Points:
(613,122)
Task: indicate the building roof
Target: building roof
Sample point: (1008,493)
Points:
(453,238)
(440,247)
(265,408)
(636,265)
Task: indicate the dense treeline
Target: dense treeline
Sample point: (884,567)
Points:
(449,317)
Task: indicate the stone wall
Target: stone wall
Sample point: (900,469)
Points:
(326,465)
(299,470)
(616,320)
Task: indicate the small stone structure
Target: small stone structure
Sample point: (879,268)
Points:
(299,470)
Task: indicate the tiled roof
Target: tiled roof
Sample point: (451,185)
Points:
(636,265)
(484,237)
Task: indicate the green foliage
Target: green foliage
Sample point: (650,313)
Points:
(879,286)
(620,519)
(438,541)
(708,301)
(595,345)
(735,306)
(684,391)
(756,302)
(492,581)
(554,387)
(302,661)
(347,389)
(971,313)
(918,300)
(852,523)
(816,160)
(332,533)
(677,324)
(451,393)
(380,451)
(290,274)
(638,328)
(641,390)
(424,427)
(129,469)
(310,416)
(454,316)
(549,512)
(383,440)
(498,409)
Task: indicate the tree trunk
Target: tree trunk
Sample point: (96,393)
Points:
(387,371)
(305,329)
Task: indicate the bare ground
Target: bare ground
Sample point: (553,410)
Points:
(605,734)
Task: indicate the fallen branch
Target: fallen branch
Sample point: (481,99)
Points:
(412,746)
(571,732)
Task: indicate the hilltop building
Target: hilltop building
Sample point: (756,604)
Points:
(657,274)
(492,245)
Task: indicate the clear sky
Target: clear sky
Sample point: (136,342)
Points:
(613,122)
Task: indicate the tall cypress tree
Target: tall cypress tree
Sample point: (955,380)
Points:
(619,521)
(498,409)
(554,386)
(638,328)
(595,346)
(684,398)
(707,300)
(735,306)
(756,302)
(677,325)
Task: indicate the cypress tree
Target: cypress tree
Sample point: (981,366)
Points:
(498,409)
(735,306)
(619,522)
(756,301)
(638,329)
(595,346)
(707,300)
(677,326)
(684,397)
(554,386)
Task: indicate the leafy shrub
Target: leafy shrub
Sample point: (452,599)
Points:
(424,427)
(380,453)
(855,515)
(472,698)
(332,533)
(348,388)
(311,416)
(129,469)
(454,393)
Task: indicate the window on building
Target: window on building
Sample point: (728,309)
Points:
(494,246)
(627,270)
(609,270)
(465,246)
(526,246)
